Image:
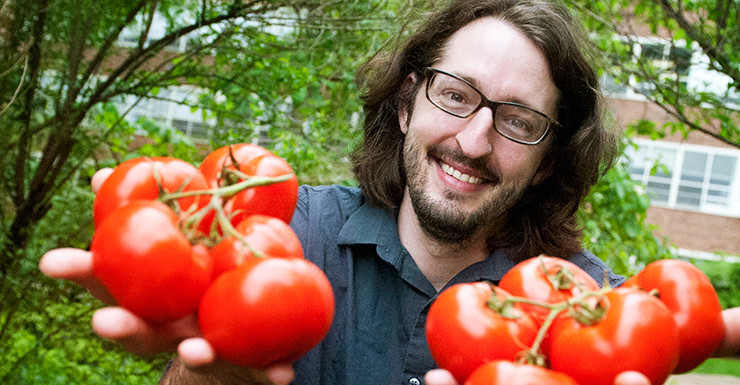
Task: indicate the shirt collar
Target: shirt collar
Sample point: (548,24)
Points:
(370,225)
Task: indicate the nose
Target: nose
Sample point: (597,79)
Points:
(475,137)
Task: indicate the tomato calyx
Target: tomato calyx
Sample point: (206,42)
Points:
(218,195)
(504,307)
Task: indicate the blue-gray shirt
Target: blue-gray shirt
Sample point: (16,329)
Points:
(382,298)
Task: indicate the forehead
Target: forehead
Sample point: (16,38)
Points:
(502,62)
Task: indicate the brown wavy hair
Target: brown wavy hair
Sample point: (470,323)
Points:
(544,221)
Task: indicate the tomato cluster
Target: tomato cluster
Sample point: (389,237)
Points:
(548,322)
(173,240)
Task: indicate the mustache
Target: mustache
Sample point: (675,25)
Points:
(479,165)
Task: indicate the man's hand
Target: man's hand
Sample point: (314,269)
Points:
(731,342)
(196,356)
(443,377)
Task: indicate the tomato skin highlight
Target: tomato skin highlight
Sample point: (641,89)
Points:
(510,373)
(528,279)
(689,295)
(147,264)
(267,311)
(267,235)
(463,332)
(636,333)
(277,200)
(136,179)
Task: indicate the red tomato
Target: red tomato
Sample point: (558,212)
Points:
(277,200)
(213,165)
(267,235)
(137,179)
(510,373)
(690,296)
(637,332)
(267,311)
(463,332)
(545,279)
(147,264)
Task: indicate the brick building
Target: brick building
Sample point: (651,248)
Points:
(695,189)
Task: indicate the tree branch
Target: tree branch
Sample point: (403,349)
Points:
(712,50)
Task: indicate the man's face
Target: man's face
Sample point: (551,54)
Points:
(462,175)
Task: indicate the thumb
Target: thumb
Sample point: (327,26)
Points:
(439,377)
(631,378)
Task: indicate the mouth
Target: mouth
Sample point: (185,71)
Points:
(457,174)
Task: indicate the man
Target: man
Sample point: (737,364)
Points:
(483,133)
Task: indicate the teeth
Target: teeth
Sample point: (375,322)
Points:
(458,175)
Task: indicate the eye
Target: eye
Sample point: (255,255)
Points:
(519,123)
(455,96)
(514,123)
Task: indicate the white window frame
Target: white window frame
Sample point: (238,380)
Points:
(168,112)
(731,209)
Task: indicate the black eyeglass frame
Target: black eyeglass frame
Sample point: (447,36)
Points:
(431,72)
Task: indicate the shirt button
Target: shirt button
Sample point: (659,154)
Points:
(414,381)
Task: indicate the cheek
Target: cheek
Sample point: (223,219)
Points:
(431,125)
(518,162)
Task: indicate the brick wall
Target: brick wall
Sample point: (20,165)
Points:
(684,229)
(697,231)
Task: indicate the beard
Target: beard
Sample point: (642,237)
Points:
(443,220)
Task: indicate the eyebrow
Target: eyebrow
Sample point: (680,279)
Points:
(477,86)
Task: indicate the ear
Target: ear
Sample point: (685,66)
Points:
(403,113)
(547,166)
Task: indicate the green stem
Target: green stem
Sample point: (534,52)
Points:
(254,181)
(228,229)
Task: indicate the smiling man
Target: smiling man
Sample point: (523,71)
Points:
(483,134)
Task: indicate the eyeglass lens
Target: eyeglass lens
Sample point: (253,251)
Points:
(460,99)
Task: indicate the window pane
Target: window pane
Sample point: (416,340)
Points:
(682,59)
(658,191)
(720,180)
(690,196)
(723,169)
(664,161)
(694,166)
(638,161)
(653,51)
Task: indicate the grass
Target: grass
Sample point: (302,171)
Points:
(725,366)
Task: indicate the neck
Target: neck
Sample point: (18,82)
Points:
(439,262)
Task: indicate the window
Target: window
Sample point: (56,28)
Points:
(171,107)
(676,62)
(688,177)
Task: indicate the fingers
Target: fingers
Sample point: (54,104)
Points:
(443,377)
(731,342)
(137,336)
(281,375)
(631,378)
(99,177)
(439,377)
(74,265)
(196,352)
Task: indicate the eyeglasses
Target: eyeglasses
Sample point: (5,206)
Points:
(456,96)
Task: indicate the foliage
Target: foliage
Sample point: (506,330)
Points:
(724,278)
(613,218)
(701,36)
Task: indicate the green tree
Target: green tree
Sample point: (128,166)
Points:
(697,35)
(277,71)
